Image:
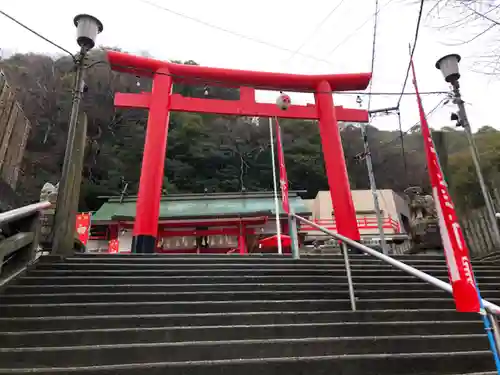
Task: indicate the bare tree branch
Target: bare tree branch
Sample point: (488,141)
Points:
(477,18)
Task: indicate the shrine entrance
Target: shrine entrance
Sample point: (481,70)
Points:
(160,101)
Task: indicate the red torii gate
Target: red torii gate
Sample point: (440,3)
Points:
(160,101)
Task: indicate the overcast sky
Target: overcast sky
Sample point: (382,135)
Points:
(340,45)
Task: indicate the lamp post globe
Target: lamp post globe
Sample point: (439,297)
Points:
(448,65)
(87,28)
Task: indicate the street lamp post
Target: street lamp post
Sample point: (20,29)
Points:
(67,198)
(448,65)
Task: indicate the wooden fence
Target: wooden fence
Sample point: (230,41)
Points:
(14,131)
(478,234)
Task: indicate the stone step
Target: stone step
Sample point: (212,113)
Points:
(387,364)
(140,288)
(193,307)
(443,273)
(108,336)
(366,288)
(168,259)
(218,315)
(224,279)
(226,295)
(171,296)
(150,319)
(236,256)
(91,355)
(63,266)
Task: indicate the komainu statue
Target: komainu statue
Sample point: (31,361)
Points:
(48,193)
(424,221)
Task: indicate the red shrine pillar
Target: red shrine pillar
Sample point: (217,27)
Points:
(153,162)
(113,231)
(336,170)
(242,239)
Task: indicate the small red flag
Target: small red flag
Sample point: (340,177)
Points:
(83,227)
(113,246)
(283,176)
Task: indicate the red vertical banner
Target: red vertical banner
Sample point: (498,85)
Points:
(113,246)
(455,249)
(283,176)
(83,227)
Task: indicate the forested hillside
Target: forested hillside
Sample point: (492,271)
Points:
(205,152)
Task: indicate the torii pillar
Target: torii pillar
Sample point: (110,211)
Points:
(161,101)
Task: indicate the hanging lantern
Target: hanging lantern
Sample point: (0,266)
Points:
(283,101)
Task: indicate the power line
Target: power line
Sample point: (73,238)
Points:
(401,134)
(200,79)
(36,33)
(414,126)
(204,80)
(417,29)
(374,45)
(357,30)
(232,32)
(391,93)
(316,29)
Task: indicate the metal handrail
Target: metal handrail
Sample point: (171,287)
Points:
(21,212)
(489,306)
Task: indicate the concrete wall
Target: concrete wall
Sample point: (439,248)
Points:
(391,204)
(124,238)
(309,203)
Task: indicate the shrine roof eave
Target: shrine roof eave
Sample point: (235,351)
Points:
(198,209)
(162,220)
(147,67)
(198,218)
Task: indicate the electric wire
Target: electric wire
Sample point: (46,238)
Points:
(343,41)
(232,32)
(316,29)
(413,127)
(401,134)
(201,80)
(417,30)
(374,46)
(37,33)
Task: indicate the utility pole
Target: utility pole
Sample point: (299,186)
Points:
(68,194)
(449,68)
(373,187)
(464,122)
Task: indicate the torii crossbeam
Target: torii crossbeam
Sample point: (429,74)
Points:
(160,101)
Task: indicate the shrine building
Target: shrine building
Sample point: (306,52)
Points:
(192,223)
(237,222)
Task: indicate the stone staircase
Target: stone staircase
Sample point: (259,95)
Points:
(227,315)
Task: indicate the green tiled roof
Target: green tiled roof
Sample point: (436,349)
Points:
(201,206)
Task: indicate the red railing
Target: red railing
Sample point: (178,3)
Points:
(364,223)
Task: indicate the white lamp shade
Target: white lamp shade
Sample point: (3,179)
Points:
(449,67)
(87,28)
